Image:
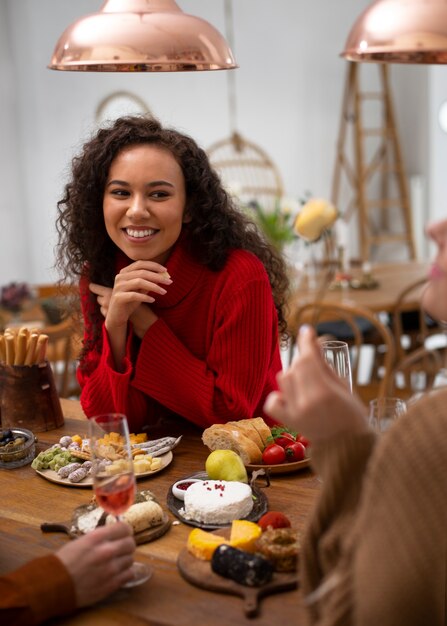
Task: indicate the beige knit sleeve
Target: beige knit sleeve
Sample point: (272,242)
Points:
(387,564)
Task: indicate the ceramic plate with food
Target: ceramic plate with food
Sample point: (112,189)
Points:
(280,468)
(87,481)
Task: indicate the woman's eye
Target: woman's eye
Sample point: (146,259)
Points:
(159,195)
(119,192)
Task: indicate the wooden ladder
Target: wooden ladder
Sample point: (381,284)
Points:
(375,172)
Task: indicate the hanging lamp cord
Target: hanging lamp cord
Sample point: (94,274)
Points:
(231,75)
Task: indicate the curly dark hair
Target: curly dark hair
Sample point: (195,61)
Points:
(217,226)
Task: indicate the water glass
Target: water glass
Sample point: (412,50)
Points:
(383,412)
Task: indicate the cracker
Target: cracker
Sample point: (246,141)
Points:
(78,454)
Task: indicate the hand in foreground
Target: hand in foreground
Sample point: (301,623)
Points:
(311,398)
(99,562)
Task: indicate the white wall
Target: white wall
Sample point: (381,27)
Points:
(289,91)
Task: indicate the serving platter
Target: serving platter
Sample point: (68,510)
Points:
(280,468)
(175,505)
(54,477)
(200,574)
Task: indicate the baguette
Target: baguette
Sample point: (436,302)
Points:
(263,430)
(247,428)
(225,437)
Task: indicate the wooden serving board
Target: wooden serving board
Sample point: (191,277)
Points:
(200,574)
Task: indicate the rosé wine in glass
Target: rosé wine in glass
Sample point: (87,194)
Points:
(113,474)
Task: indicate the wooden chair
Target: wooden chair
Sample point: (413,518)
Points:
(415,373)
(354,318)
(411,327)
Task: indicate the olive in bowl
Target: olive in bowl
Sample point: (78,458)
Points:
(17,447)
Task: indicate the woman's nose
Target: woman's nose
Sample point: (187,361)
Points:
(437,231)
(138,207)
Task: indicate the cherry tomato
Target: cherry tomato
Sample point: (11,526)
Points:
(285,439)
(295,452)
(273,454)
(302,439)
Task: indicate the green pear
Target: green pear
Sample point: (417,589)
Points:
(226,465)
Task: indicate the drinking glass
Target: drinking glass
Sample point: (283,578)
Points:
(336,354)
(384,411)
(113,475)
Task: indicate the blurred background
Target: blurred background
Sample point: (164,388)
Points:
(288,92)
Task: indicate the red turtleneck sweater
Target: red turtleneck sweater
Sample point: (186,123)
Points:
(212,356)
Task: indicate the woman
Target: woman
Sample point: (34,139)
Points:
(183,300)
(376,547)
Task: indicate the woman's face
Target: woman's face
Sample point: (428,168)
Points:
(434,299)
(144,202)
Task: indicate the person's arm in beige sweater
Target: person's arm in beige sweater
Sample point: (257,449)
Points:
(375,550)
(383,559)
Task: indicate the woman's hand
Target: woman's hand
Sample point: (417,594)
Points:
(103,295)
(131,288)
(311,398)
(99,562)
(123,302)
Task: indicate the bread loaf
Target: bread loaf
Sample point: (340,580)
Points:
(247,428)
(262,429)
(225,437)
(248,438)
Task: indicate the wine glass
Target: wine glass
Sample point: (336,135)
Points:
(113,475)
(384,411)
(336,354)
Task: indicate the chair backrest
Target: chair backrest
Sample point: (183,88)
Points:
(415,373)
(414,324)
(354,318)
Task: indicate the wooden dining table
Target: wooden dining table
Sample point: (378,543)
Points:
(27,500)
(392,278)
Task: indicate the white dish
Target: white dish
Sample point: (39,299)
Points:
(177,489)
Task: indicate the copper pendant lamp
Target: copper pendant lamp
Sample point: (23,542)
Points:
(141,36)
(400,31)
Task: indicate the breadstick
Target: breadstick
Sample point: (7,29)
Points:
(19,357)
(2,349)
(31,349)
(41,348)
(24,331)
(10,349)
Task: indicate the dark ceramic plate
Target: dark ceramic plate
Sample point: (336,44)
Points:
(259,508)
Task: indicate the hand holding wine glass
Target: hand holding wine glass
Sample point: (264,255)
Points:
(336,354)
(113,475)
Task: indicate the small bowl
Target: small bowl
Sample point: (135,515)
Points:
(17,454)
(179,488)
